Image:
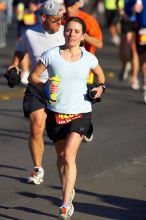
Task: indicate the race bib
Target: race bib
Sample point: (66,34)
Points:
(66,118)
(142,36)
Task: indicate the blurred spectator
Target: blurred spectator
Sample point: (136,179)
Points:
(24,14)
(140,8)
(112,15)
(97,6)
(88,5)
(9,14)
(3,23)
(128,49)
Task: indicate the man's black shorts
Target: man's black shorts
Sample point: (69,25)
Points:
(128,26)
(112,17)
(34,99)
(58,132)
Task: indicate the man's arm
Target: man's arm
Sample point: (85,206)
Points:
(94,41)
(138,6)
(94,33)
(16,60)
(34,77)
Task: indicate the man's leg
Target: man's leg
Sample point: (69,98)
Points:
(36,144)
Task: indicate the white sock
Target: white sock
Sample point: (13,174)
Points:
(39,168)
(64,205)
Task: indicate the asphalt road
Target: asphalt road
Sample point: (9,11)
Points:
(111,181)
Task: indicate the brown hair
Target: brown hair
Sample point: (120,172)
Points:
(78,20)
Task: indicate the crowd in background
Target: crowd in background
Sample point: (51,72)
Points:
(122,19)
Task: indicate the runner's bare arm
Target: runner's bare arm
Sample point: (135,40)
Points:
(94,41)
(17,58)
(100,78)
(34,77)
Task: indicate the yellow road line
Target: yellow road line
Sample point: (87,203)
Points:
(111,75)
(12,94)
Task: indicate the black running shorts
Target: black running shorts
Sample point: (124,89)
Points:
(112,17)
(128,26)
(34,99)
(59,132)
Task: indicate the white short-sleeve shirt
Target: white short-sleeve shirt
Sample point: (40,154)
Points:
(36,40)
(71,96)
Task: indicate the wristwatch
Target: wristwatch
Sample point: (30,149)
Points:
(103,86)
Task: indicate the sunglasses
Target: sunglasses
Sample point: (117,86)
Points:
(54,20)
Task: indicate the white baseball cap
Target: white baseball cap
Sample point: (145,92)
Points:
(50,7)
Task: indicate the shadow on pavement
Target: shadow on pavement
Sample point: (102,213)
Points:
(117,207)
(8,217)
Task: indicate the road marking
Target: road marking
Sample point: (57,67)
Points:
(4,97)
(13,94)
(111,75)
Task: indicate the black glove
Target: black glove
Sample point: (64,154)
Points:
(91,94)
(12,77)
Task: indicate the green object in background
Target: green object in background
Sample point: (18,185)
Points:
(112,5)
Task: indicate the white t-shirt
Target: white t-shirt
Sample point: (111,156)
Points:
(36,40)
(71,96)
